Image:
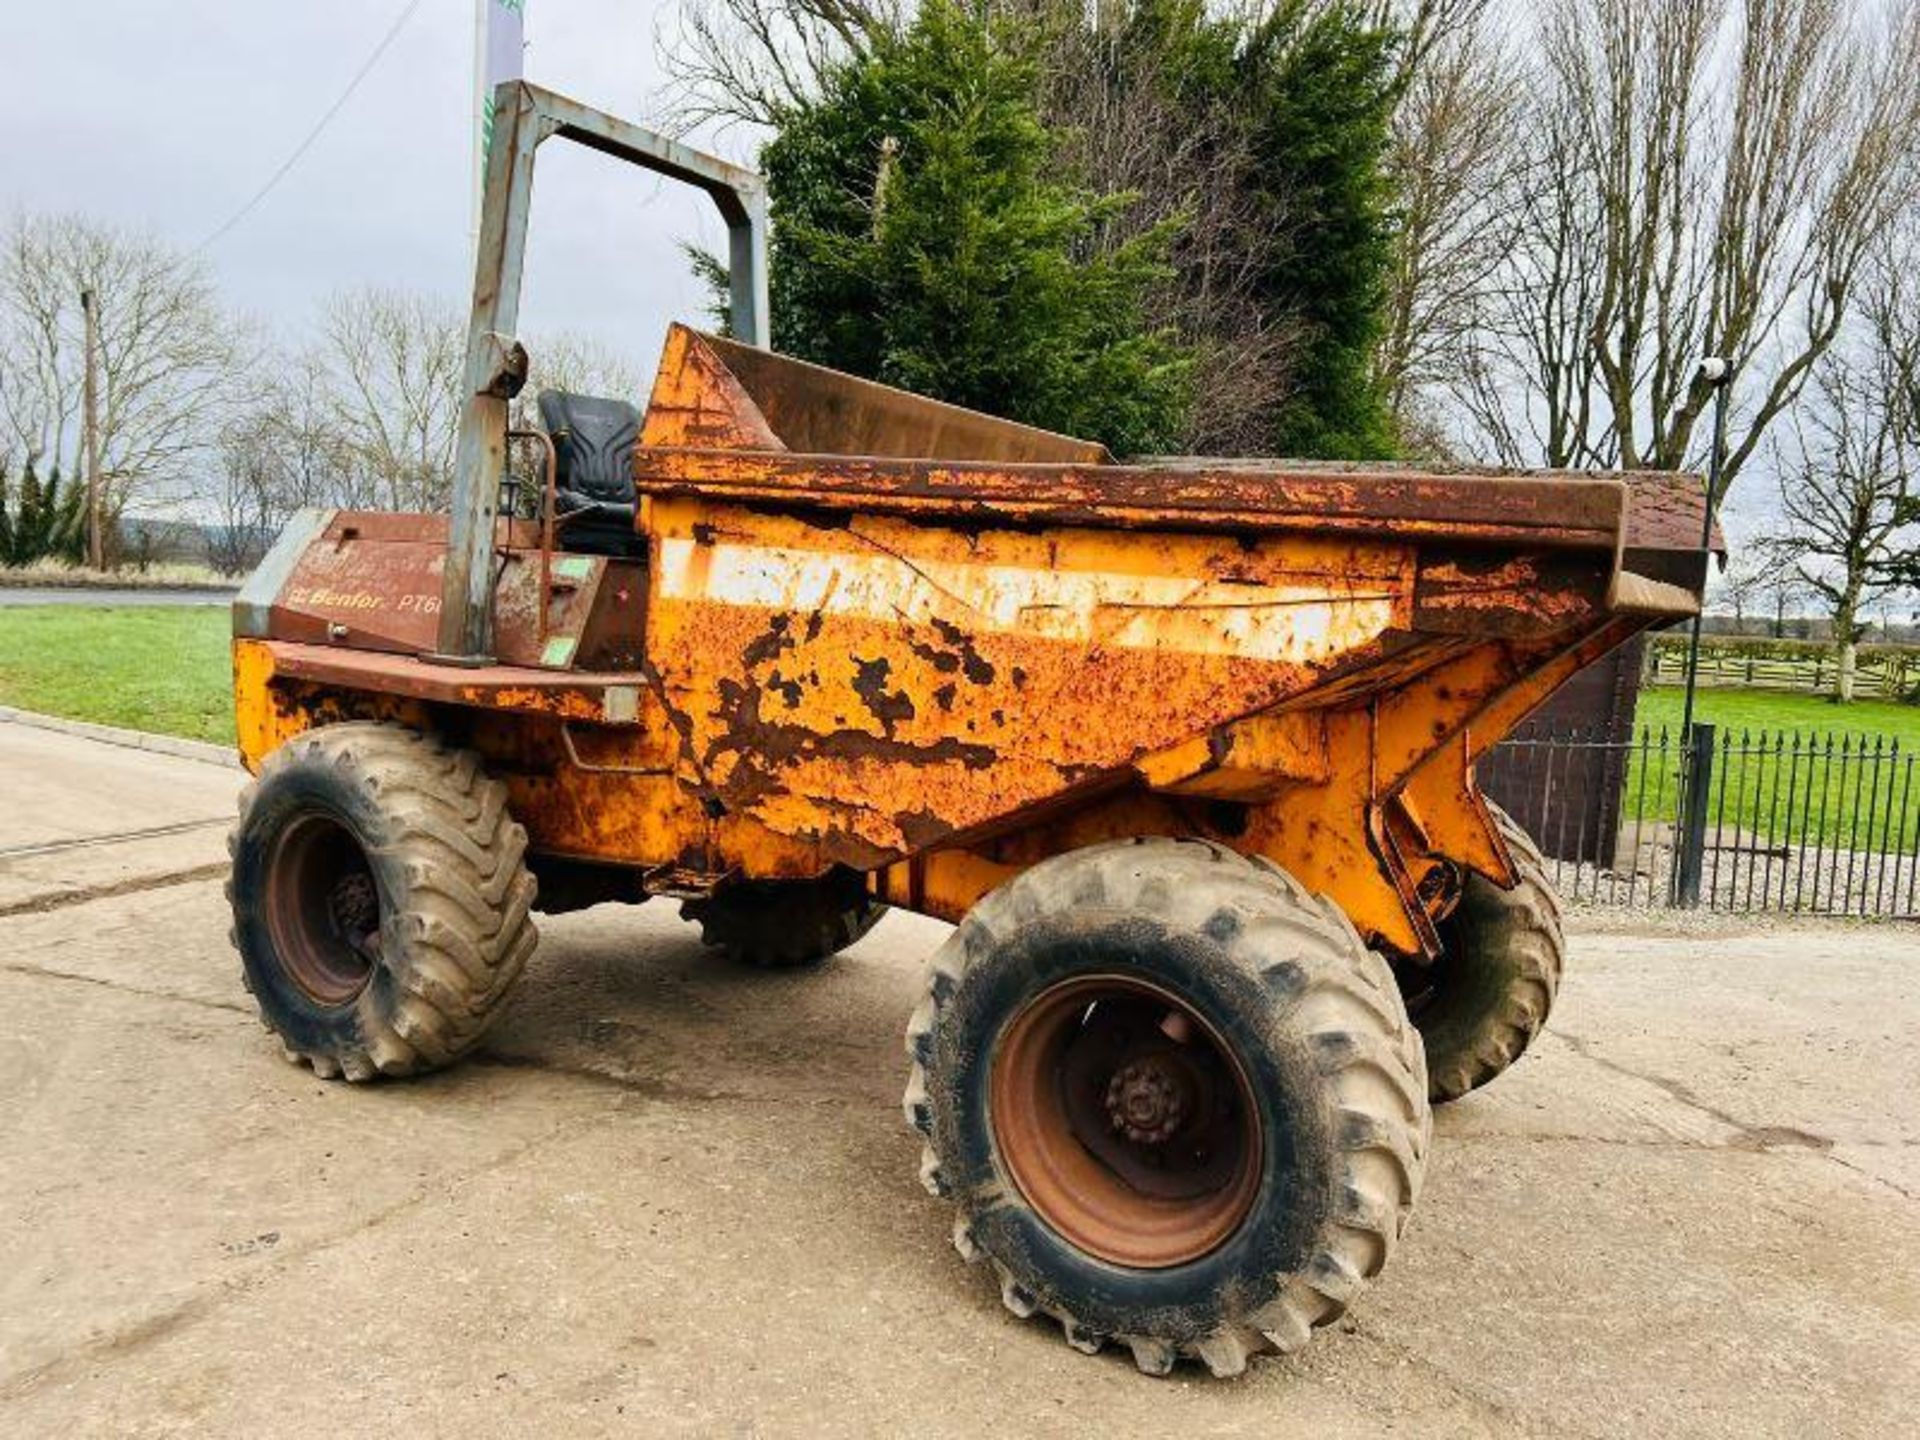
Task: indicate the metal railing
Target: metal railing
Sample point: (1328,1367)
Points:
(1739,820)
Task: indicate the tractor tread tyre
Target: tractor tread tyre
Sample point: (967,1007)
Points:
(1302,996)
(449,866)
(1495,984)
(785,924)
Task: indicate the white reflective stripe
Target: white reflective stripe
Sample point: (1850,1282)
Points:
(1298,623)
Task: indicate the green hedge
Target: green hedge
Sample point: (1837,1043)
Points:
(1674,642)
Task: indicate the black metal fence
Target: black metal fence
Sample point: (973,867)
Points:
(1734,820)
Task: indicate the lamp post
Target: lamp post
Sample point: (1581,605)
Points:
(1715,372)
(1696,771)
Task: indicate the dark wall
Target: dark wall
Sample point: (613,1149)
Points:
(1568,797)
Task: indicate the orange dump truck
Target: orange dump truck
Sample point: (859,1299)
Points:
(1184,747)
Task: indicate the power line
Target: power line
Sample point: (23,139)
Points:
(314,134)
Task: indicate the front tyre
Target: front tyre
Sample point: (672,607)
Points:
(1176,1100)
(1487,997)
(381,900)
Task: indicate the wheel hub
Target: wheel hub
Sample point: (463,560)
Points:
(353,907)
(323,909)
(1147,1100)
(1125,1121)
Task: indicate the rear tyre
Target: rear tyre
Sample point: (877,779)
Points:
(785,924)
(380,900)
(1175,1099)
(1482,1003)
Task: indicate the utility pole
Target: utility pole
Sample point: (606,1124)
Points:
(90,434)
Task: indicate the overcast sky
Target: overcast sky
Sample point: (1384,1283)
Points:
(167,117)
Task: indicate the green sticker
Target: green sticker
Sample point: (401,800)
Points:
(558,653)
(572,567)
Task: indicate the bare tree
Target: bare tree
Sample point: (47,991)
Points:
(1122,134)
(746,62)
(317,463)
(168,353)
(1523,374)
(1742,584)
(367,416)
(1893,314)
(1848,486)
(1701,177)
(393,363)
(1452,155)
(284,451)
(244,497)
(1784,590)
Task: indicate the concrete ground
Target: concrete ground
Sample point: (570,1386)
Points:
(675,1198)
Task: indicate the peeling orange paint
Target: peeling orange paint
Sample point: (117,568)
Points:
(975,644)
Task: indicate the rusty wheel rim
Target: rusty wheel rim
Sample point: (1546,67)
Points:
(323,909)
(1125,1121)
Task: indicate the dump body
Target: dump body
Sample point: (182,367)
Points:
(871,631)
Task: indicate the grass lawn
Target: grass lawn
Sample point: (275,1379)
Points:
(161,668)
(1829,785)
(1754,710)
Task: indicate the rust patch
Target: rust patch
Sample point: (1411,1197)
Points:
(769,645)
(945,661)
(1573,510)
(889,707)
(971,665)
(787,690)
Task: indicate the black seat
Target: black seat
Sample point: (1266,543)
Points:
(593,440)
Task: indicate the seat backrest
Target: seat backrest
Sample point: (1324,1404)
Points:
(593,440)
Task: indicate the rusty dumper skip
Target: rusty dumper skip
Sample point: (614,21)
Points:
(1185,748)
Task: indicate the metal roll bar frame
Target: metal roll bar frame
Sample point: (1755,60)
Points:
(525,116)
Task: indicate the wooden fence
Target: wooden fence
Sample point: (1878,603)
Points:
(1881,672)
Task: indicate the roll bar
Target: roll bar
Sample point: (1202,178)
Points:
(496,364)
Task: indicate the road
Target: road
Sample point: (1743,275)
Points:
(91,595)
(673,1198)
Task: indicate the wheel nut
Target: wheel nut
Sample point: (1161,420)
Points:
(1145,1102)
